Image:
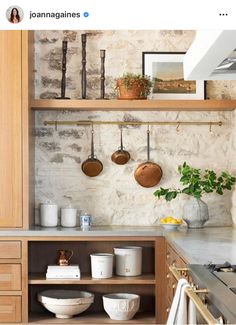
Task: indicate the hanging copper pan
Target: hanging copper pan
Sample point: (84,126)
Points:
(148,174)
(120,156)
(92,166)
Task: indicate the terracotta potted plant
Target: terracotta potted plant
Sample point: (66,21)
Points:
(196,183)
(133,86)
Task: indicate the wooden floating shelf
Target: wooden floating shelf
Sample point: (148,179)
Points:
(133,105)
(92,318)
(39,278)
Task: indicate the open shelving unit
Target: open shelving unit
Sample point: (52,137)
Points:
(133,105)
(149,285)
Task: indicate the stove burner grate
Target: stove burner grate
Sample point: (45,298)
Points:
(226,267)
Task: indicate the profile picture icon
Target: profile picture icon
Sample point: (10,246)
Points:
(14,14)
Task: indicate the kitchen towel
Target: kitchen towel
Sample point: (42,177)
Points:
(192,313)
(179,308)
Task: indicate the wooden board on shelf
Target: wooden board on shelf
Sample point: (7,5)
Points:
(133,105)
(39,278)
(92,318)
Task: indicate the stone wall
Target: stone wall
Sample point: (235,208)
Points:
(114,197)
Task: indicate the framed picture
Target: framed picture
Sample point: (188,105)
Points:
(166,72)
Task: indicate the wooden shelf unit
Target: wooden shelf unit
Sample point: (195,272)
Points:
(150,285)
(133,105)
(95,318)
(40,278)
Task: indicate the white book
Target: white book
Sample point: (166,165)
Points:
(62,276)
(63,269)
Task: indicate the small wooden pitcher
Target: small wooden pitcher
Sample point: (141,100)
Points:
(64,257)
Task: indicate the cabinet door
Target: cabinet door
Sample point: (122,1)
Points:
(10,130)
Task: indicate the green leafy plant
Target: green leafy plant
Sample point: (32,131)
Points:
(131,79)
(196,183)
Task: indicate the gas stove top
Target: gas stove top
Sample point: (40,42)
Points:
(226,273)
(220,281)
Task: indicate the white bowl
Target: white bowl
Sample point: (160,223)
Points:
(121,306)
(170,226)
(65,303)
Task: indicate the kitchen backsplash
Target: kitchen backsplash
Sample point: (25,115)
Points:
(114,197)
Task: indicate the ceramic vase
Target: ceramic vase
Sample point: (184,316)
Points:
(195,213)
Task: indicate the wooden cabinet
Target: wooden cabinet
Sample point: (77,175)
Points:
(172,259)
(10,309)
(10,129)
(148,285)
(11,276)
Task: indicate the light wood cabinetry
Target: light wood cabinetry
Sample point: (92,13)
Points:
(172,259)
(10,281)
(10,129)
(10,309)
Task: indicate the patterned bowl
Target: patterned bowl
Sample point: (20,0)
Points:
(121,306)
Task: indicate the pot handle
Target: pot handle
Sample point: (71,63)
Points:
(92,143)
(121,138)
(148,143)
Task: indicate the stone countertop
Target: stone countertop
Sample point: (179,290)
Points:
(94,231)
(202,246)
(197,246)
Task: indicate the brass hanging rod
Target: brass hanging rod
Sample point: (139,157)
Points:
(87,122)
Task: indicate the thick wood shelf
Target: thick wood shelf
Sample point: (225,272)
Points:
(133,105)
(92,318)
(39,278)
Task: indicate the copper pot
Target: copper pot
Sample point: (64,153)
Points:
(148,174)
(120,156)
(92,166)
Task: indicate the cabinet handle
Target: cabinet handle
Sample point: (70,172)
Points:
(168,275)
(174,263)
(167,310)
(168,256)
(173,286)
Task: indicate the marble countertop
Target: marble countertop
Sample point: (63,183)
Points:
(197,246)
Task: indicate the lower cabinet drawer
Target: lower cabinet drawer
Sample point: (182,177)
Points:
(10,277)
(10,309)
(10,249)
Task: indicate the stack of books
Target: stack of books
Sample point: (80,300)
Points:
(63,272)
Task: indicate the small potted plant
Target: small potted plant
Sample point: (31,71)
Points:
(196,183)
(133,86)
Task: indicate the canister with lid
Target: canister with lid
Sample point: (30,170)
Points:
(128,260)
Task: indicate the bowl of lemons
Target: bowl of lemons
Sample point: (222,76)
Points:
(170,223)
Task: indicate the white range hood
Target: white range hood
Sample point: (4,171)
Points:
(212,56)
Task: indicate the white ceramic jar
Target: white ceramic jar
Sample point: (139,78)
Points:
(101,265)
(128,260)
(48,215)
(68,217)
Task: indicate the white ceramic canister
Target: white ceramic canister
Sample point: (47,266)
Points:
(128,260)
(101,265)
(48,215)
(68,217)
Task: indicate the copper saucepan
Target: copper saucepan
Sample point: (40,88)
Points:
(92,166)
(148,174)
(120,156)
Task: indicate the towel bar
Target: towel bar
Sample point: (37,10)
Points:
(192,294)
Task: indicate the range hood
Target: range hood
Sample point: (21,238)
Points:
(212,56)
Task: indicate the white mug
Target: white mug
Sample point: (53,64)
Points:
(68,217)
(48,215)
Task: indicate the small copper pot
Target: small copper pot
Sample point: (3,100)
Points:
(92,166)
(148,174)
(120,156)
